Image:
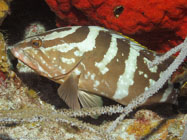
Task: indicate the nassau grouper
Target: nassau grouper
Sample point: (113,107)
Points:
(88,61)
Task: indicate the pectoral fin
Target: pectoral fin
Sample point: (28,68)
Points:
(89,100)
(69,92)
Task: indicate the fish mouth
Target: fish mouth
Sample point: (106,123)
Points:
(30,62)
(20,55)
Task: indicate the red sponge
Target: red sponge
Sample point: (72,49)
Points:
(158,24)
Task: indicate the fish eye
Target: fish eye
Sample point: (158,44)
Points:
(36,43)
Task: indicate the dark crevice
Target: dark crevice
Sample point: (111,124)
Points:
(23,13)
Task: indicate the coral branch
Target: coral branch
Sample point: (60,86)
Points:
(160,59)
(93,111)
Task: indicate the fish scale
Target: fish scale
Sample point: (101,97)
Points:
(88,61)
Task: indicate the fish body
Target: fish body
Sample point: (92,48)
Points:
(89,60)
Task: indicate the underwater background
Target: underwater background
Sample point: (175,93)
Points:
(29,105)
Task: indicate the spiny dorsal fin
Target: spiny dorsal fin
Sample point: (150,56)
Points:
(68,92)
(89,100)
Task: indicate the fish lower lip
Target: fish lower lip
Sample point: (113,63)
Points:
(14,51)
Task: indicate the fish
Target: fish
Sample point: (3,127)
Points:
(91,61)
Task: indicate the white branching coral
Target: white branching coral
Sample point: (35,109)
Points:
(180,47)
